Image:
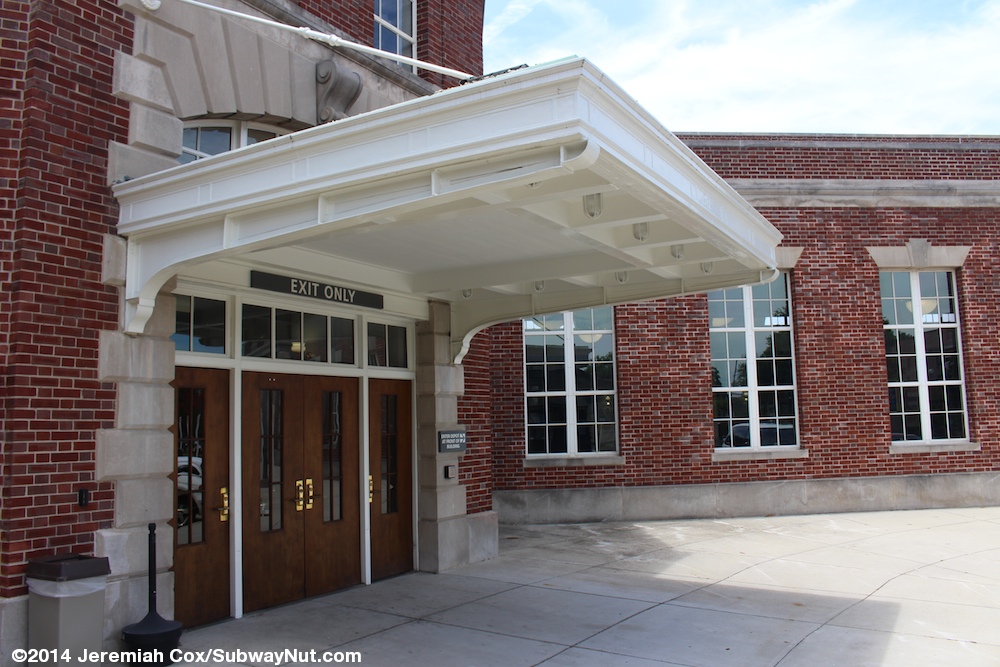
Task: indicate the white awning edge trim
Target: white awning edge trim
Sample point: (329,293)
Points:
(512,155)
(468,319)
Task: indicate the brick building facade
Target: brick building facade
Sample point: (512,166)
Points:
(84,104)
(833,198)
(108,245)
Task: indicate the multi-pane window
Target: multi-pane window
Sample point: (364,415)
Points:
(570,382)
(387,346)
(274,333)
(200,325)
(753,369)
(394,26)
(201,141)
(923,355)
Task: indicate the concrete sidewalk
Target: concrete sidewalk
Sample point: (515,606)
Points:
(907,589)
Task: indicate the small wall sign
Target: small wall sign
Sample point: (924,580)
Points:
(451,441)
(315,290)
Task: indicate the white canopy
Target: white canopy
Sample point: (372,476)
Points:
(542,190)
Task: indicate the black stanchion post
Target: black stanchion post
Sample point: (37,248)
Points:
(153,633)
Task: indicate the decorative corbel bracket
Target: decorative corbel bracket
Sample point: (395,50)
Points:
(336,90)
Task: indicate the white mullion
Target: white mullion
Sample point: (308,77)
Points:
(413,27)
(399,33)
(923,390)
(790,324)
(957,325)
(750,338)
(569,369)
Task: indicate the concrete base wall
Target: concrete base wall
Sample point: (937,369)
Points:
(13,628)
(811,496)
(459,541)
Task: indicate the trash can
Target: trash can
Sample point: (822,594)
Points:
(66,603)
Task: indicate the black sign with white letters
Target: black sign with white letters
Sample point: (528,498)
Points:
(315,290)
(451,441)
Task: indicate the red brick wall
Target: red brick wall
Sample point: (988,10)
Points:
(848,157)
(664,383)
(449,32)
(353,17)
(58,116)
(475,469)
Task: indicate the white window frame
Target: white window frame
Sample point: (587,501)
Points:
(753,388)
(922,322)
(238,136)
(400,31)
(227,323)
(361,340)
(570,393)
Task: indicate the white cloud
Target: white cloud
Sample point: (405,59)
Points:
(512,13)
(777,65)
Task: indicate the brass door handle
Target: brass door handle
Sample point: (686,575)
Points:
(371,489)
(224,510)
(309,494)
(300,495)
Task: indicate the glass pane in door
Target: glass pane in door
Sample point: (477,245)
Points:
(390,454)
(271,446)
(332,457)
(190,464)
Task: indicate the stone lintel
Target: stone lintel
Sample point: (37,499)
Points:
(113,260)
(867,193)
(127,549)
(135,359)
(139,502)
(125,454)
(144,406)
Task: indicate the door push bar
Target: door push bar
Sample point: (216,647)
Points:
(224,510)
(304,494)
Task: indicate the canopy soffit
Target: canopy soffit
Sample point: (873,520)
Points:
(542,190)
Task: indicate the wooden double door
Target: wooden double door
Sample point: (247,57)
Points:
(302,489)
(301,475)
(202,507)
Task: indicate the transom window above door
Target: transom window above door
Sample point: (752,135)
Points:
(266,332)
(274,333)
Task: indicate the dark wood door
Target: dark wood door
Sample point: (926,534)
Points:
(301,531)
(273,537)
(201,521)
(391,467)
(333,513)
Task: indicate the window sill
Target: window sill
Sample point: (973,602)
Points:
(759,454)
(574,461)
(933,447)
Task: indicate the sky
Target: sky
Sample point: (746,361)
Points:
(826,66)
